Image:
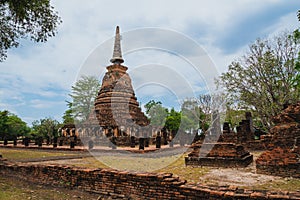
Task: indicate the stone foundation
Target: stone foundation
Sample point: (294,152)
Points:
(114,184)
(219,155)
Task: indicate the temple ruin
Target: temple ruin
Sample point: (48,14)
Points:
(222,149)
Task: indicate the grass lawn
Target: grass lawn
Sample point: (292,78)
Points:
(13,154)
(13,190)
(191,174)
(287,184)
(172,164)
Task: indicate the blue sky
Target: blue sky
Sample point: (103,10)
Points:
(36,79)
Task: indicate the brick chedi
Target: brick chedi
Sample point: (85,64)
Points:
(116,106)
(283,156)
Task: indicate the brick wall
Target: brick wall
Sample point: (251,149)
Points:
(131,185)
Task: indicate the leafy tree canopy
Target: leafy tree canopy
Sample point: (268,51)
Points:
(297,63)
(156,113)
(173,120)
(83,95)
(68,117)
(262,80)
(45,128)
(12,126)
(33,19)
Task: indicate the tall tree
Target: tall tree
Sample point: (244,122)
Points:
(148,106)
(83,95)
(297,64)
(156,113)
(68,117)
(262,79)
(34,19)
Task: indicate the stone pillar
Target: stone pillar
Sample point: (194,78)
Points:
(141,143)
(171,143)
(158,141)
(147,141)
(113,142)
(61,141)
(216,126)
(72,143)
(26,141)
(91,144)
(55,142)
(239,134)
(249,117)
(165,137)
(132,141)
(15,142)
(40,141)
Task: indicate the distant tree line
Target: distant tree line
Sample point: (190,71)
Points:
(13,127)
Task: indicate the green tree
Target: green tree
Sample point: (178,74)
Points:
(262,79)
(157,113)
(173,120)
(296,79)
(150,104)
(3,124)
(83,95)
(17,127)
(45,128)
(19,19)
(68,116)
(12,126)
(191,110)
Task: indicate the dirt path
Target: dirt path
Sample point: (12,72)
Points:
(238,176)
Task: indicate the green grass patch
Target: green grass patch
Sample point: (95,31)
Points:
(287,184)
(188,173)
(12,154)
(11,189)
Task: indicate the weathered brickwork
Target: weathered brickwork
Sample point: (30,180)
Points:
(219,155)
(279,162)
(283,156)
(132,185)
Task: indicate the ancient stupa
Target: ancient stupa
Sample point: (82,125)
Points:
(116,106)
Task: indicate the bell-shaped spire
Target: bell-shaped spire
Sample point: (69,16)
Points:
(117,54)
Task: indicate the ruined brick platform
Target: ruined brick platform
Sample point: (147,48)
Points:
(283,156)
(219,155)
